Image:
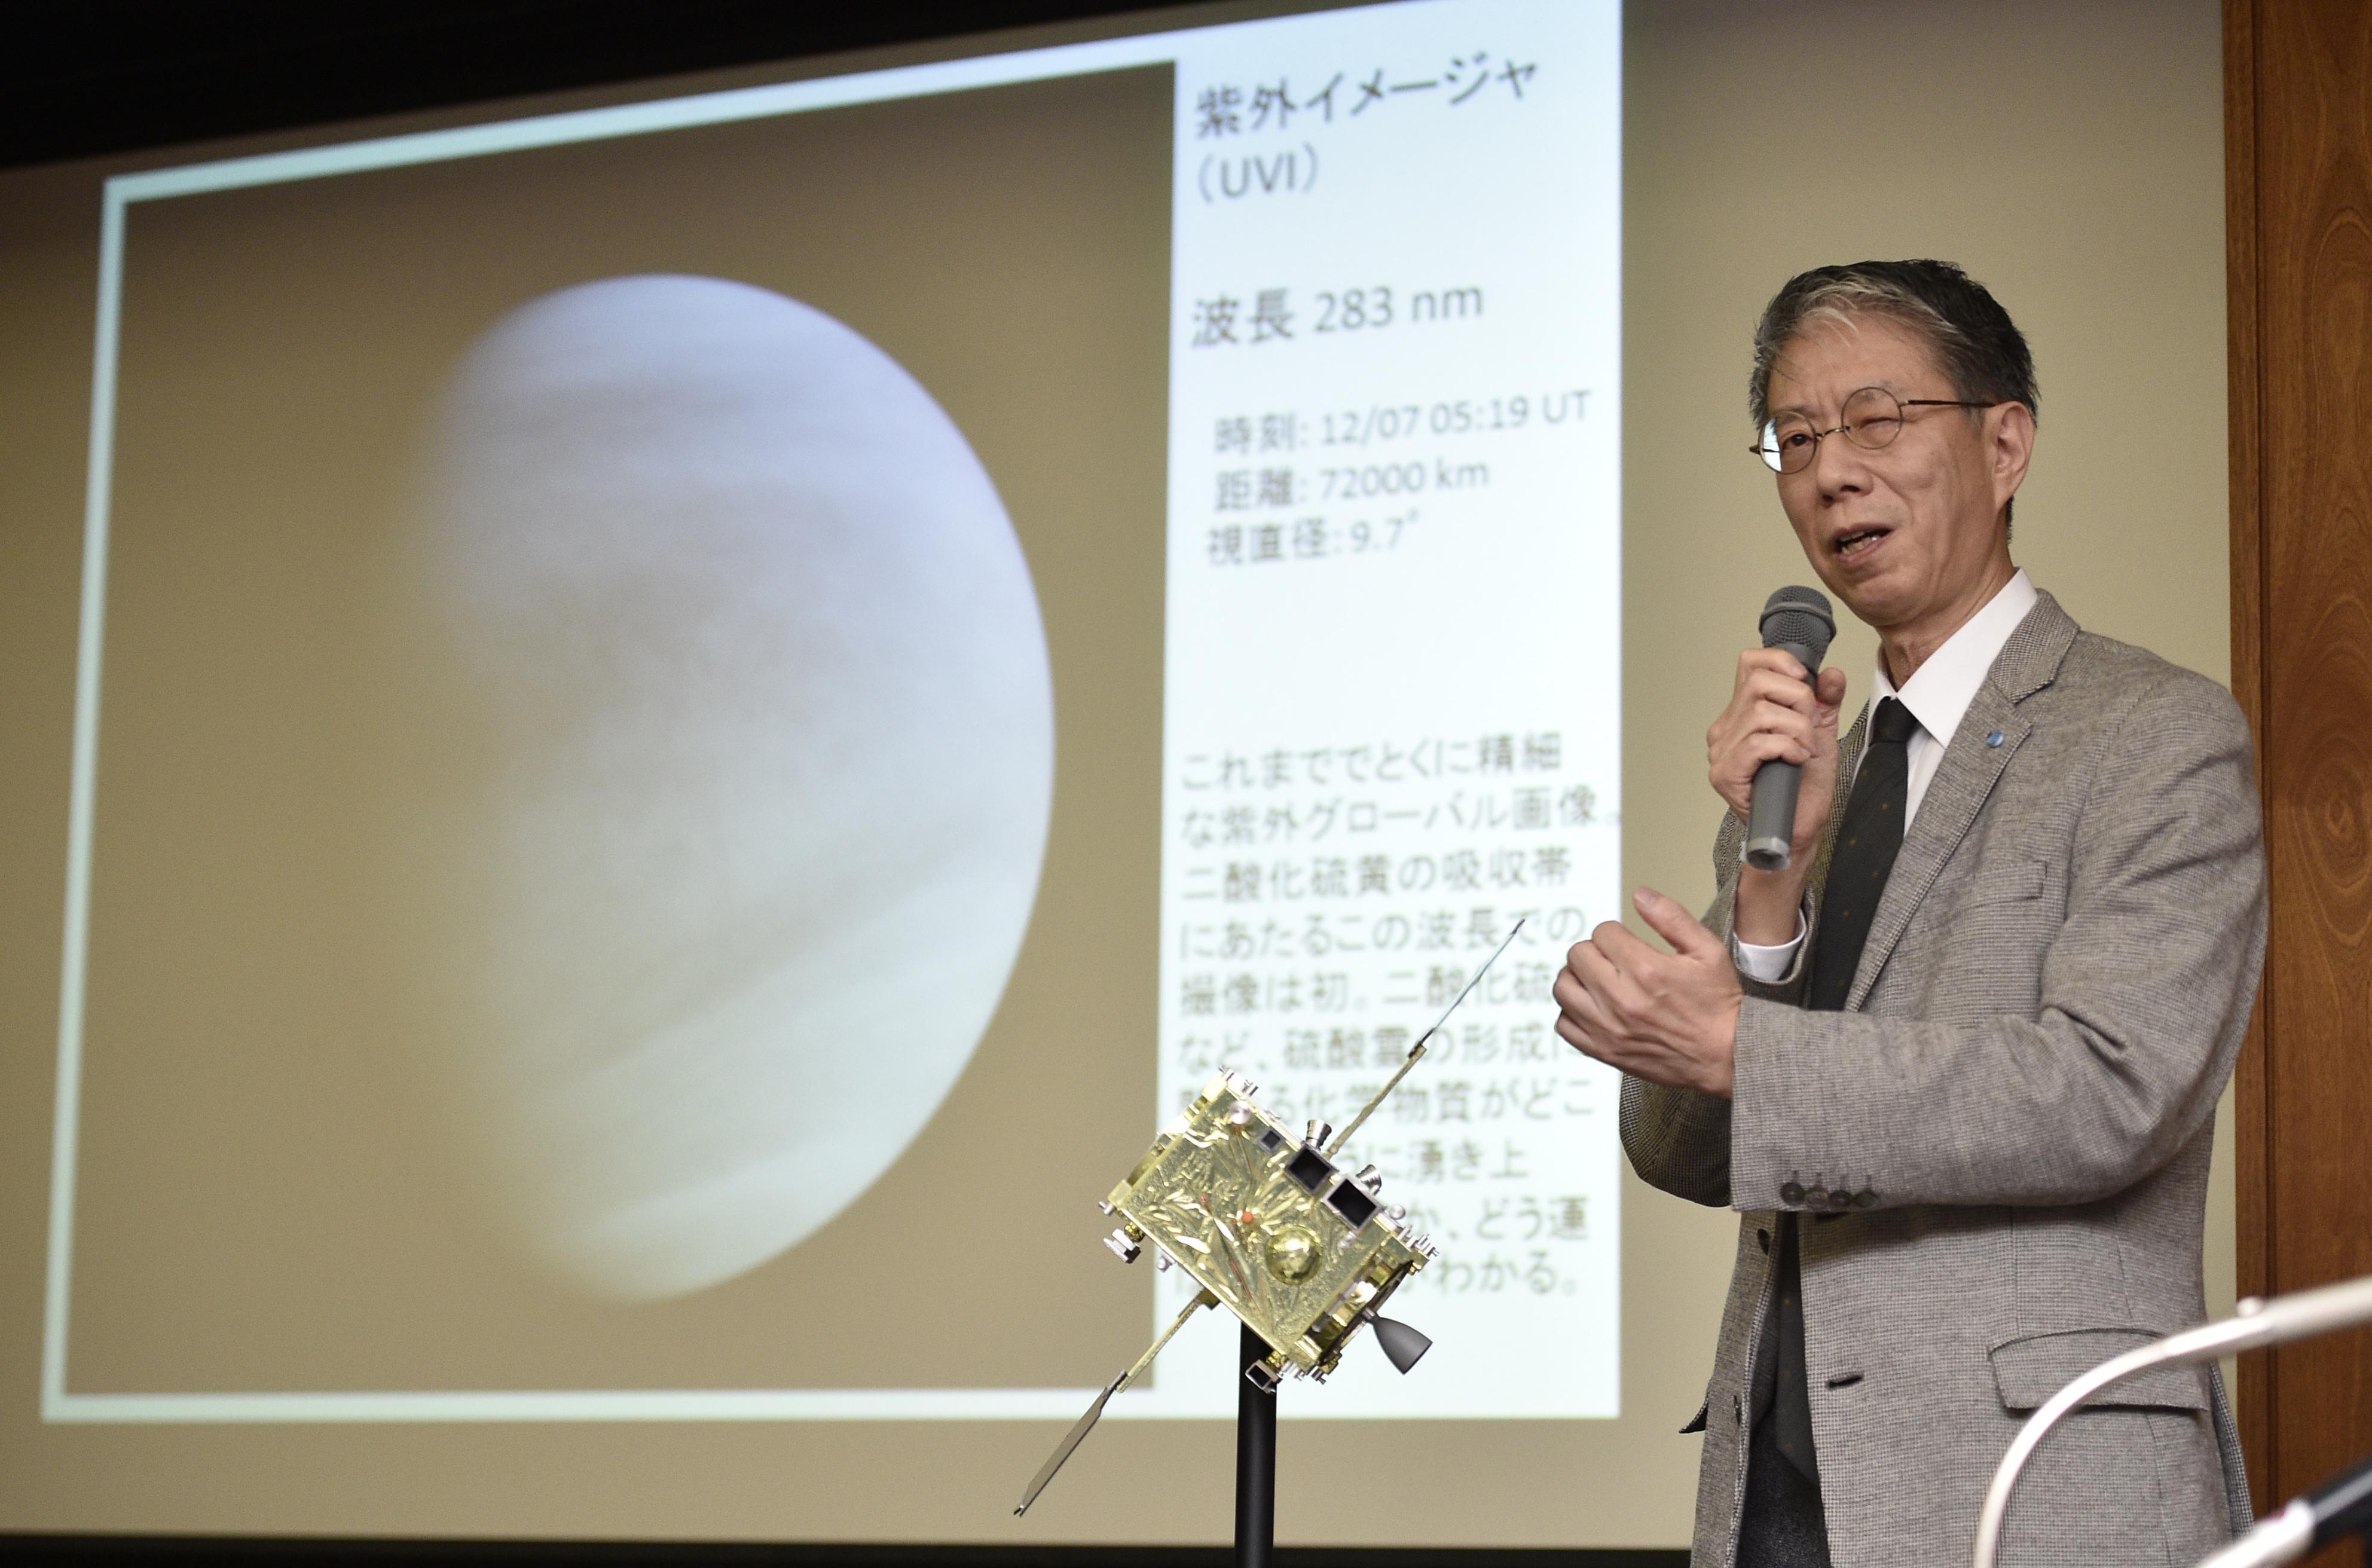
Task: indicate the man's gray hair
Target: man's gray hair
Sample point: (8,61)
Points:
(1980,350)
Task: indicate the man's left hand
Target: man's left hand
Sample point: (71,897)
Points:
(1668,1018)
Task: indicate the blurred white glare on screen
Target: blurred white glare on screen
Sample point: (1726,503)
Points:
(773,766)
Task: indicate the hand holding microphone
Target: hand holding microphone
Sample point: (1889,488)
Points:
(1772,755)
(1797,623)
(1672,1017)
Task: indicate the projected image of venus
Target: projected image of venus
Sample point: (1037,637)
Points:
(770,776)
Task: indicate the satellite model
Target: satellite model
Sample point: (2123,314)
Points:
(1267,1224)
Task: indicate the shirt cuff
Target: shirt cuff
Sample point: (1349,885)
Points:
(1769,965)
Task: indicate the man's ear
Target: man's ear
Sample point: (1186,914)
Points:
(2009,446)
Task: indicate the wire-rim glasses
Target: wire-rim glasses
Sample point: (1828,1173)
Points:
(1873,418)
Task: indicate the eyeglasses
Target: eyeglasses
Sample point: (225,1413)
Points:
(1873,418)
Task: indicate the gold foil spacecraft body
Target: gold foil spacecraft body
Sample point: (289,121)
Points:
(1300,1251)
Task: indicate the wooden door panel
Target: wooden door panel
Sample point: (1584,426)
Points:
(2298,97)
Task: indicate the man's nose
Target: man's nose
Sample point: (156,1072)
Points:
(1839,466)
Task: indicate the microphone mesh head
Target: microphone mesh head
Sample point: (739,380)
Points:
(1800,618)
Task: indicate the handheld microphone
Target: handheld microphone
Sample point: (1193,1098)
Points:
(1799,621)
(2338,1508)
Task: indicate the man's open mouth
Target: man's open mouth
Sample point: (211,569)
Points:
(1857,541)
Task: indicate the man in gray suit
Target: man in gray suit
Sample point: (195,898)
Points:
(1957,1065)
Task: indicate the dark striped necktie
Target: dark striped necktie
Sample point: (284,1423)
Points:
(1867,841)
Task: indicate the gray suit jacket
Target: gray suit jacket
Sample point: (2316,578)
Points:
(2019,1098)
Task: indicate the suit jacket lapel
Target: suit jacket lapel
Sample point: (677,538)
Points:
(1972,765)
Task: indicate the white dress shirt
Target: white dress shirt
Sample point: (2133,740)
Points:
(1939,695)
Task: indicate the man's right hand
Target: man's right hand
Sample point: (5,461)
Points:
(1774,716)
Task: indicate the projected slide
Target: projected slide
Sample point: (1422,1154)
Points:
(1394,641)
(696,718)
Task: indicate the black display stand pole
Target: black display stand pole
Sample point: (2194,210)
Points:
(1255,1460)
